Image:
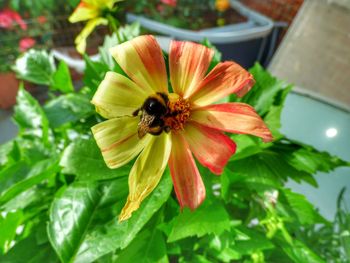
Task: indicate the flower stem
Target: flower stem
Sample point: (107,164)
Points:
(114,24)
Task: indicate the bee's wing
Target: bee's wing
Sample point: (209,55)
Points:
(144,124)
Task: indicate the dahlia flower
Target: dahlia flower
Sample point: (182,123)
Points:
(190,127)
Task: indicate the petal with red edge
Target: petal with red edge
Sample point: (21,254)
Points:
(188,184)
(142,59)
(188,64)
(118,96)
(118,140)
(232,117)
(84,11)
(226,78)
(211,147)
(146,172)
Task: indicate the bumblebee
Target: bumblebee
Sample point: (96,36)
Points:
(154,109)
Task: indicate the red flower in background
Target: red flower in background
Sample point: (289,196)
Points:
(26,43)
(169,2)
(41,19)
(10,18)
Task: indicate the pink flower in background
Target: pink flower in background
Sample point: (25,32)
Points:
(9,18)
(26,43)
(169,2)
(5,20)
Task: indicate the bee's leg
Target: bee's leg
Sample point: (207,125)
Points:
(166,129)
(136,112)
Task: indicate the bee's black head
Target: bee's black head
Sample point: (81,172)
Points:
(154,107)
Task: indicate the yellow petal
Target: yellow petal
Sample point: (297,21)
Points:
(146,172)
(118,140)
(80,40)
(84,11)
(107,3)
(142,59)
(118,96)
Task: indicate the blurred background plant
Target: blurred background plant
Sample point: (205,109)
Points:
(26,24)
(189,14)
(95,13)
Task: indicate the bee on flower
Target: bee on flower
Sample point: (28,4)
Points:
(92,11)
(163,125)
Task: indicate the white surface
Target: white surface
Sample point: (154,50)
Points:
(327,128)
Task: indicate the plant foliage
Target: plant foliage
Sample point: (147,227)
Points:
(59,202)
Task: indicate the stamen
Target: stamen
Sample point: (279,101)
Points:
(178,112)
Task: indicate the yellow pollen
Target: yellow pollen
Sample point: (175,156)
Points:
(178,112)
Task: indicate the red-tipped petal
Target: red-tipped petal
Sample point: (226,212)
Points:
(211,147)
(232,117)
(188,184)
(142,59)
(188,64)
(226,78)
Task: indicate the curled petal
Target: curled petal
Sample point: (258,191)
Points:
(188,184)
(118,140)
(118,96)
(146,172)
(80,40)
(226,78)
(211,147)
(142,59)
(232,117)
(188,64)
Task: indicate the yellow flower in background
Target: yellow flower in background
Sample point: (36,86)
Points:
(174,125)
(222,5)
(91,11)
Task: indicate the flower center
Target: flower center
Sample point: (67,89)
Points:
(178,112)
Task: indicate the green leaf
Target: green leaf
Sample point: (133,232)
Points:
(9,153)
(61,79)
(13,174)
(94,73)
(300,253)
(30,117)
(83,158)
(254,241)
(70,216)
(302,209)
(306,158)
(147,247)
(105,239)
(273,117)
(39,172)
(31,250)
(207,219)
(35,66)
(8,226)
(269,167)
(266,91)
(68,108)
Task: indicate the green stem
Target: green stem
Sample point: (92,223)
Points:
(114,24)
